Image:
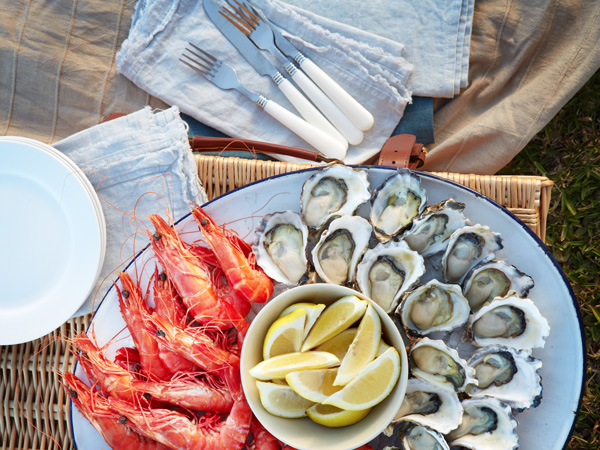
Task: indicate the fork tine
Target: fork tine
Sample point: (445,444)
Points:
(203,62)
(242,14)
(250,10)
(234,18)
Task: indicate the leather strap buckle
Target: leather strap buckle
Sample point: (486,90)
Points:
(402,151)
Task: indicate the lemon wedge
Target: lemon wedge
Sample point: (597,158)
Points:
(279,366)
(362,349)
(313,310)
(336,318)
(331,416)
(382,348)
(282,400)
(372,384)
(339,344)
(285,335)
(314,385)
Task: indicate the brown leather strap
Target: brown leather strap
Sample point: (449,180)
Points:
(216,144)
(398,151)
(402,151)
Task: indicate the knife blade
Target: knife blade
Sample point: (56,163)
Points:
(263,66)
(357,113)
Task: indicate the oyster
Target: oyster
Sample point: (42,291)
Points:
(440,365)
(431,406)
(430,232)
(332,191)
(507,374)
(280,246)
(487,424)
(494,279)
(395,204)
(511,321)
(467,247)
(387,271)
(340,247)
(434,306)
(414,436)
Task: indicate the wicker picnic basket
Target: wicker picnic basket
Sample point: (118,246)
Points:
(35,407)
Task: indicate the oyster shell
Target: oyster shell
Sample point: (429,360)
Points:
(280,246)
(340,247)
(507,374)
(431,406)
(335,190)
(467,247)
(435,362)
(414,436)
(494,279)
(511,321)
(387,271)
(430,232)
(395,204)
(487,424)
(432,307)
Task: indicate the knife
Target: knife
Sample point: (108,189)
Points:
(264,67)
(357,113)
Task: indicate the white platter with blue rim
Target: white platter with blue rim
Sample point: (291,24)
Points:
(52,239)
(548,426)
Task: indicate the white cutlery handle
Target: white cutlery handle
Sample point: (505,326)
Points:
(308,111)
(326,144)
(352,134)
(357,113)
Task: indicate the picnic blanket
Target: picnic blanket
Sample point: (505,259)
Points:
(527,59)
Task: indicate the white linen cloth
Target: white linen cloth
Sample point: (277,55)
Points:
(368,66)
(436,35)
(139,164)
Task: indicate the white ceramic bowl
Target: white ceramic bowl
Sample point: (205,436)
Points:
(304,433)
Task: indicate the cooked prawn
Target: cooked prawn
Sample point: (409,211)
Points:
(204,394)
(178,431)
(195,344)
(236,259)
(113,427)
(134,308)
(191,278)
(261,438)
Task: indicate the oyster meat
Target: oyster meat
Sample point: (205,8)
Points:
(335,190)
(494,279)
(414,436)
(467,247)
(340,247)
(507,374)
(387,271)
(511,321)
(435,362)
(432,307)
(431,406)
(280,246)
(487,424)
(430,232)
(395,204)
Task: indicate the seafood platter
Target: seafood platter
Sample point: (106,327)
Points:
(493,332)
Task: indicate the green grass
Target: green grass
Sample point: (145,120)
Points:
(568,152)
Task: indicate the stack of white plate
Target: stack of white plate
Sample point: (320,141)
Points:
(52,239)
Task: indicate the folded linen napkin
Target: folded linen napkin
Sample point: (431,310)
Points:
(367,66)
(436,35)
(139,164)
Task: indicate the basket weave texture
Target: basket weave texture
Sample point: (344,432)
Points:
(35,407)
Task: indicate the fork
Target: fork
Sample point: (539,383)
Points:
(241,15)
(225,77)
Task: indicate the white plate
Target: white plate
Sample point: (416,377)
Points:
(548,426)
(52,236)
